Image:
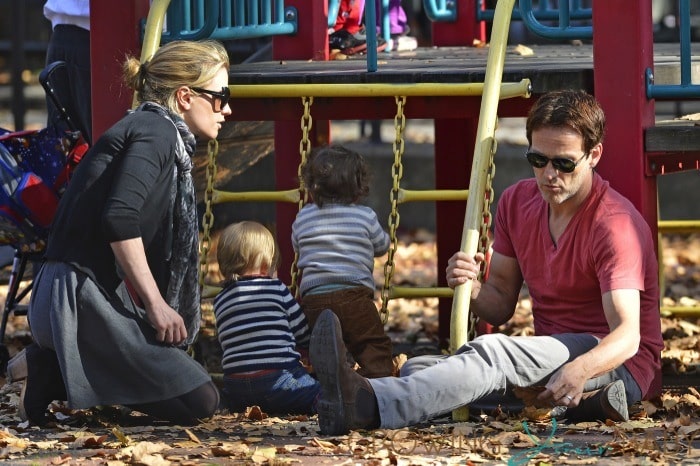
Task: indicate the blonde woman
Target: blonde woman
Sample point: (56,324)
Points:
(116,300)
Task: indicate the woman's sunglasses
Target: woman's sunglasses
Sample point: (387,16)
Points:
(220,98)
(559,163)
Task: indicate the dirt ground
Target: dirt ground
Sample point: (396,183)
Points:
(665,430)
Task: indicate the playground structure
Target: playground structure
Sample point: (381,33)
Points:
(445,84)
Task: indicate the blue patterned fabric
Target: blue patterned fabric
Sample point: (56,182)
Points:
(33,171)
(43,152)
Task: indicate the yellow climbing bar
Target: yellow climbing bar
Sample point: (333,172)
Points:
(410,292)
(420,292)
(679,226)
(291,195)
(680,311)
(507,90)
(210,291)
(409,195)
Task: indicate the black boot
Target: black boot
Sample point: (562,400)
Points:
(43,384)
(347,401)
(609,402)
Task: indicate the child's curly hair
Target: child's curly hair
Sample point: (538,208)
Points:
(336,175)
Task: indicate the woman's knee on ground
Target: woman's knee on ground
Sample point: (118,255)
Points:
(203,401)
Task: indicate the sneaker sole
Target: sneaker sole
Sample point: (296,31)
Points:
(21,412)
(325,360)
(354,50)
(618,401)
(17,367)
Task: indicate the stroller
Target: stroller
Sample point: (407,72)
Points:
(35,167)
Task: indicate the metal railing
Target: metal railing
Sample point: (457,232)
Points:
(685,89)
(442,10)
(543,11)
(227,19)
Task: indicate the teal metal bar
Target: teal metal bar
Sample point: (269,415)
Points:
(253,18)
(564,32)
(225,19)
(686,89)
(229,19)
(199,15)
(684,6)
(385,22)
(543,12)
(442,10)
(371,31)
(178,29)
(333,8)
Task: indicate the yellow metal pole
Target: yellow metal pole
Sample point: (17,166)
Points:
(151,36)
(507,90)
(420,292)
(154,28)
(408,195)
(679,226)
(291,195)
(680,311)
(459,322)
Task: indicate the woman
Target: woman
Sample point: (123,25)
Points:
(117,299)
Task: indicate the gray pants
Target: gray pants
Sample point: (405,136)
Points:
(430,386)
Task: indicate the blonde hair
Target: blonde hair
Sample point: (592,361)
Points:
(177,63)
(244,246)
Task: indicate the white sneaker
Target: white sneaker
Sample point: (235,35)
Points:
(403,43)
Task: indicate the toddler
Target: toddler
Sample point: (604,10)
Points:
(337,239)
(259,324)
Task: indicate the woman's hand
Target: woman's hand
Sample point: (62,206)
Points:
(168,324)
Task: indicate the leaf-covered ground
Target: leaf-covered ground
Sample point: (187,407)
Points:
(665,430)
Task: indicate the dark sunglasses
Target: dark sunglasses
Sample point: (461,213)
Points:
(221,97)
(559,163)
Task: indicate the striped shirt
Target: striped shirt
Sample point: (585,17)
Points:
(259,325)
(337,244)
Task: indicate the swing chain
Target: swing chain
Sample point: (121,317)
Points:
(304,150)
(484,228)
(208,217)
(394,217)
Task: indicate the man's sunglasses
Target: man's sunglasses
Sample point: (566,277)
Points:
(560,164)
(221,97)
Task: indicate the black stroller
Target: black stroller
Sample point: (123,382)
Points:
(35,167)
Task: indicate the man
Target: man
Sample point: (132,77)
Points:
(589,261)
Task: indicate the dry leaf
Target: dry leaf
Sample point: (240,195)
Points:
(63,459)
(192,436)
(123,439)
(523,50)
(254,413)
(230,449)
(263,455)
(529,396)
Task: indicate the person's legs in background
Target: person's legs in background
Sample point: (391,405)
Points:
(72,44)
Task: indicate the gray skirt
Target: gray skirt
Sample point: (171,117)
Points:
(105,346)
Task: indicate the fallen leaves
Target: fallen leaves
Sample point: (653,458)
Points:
(665,430)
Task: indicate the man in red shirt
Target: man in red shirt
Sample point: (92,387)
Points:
(588,259)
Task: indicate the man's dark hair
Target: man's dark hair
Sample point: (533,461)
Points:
(574,109)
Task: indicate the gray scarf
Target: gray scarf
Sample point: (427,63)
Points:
(183,286)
